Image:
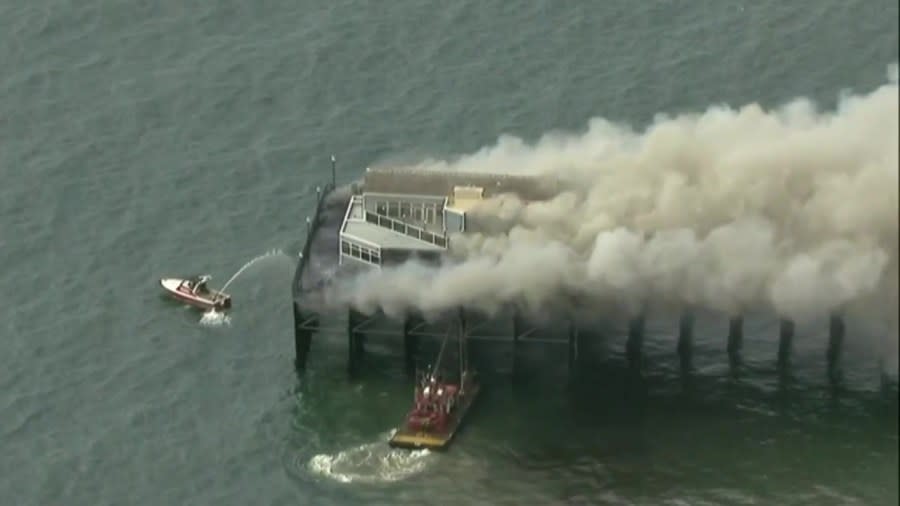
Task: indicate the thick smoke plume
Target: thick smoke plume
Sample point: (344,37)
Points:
(792,209)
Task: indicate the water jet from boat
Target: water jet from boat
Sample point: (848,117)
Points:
(268,254)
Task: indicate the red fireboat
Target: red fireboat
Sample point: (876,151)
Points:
(439,405)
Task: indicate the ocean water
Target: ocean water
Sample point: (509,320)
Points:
(144,139)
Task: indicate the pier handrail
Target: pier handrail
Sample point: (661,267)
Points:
(311,232)
(404,228)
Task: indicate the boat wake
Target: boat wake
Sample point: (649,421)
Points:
(370,463)
(213,318)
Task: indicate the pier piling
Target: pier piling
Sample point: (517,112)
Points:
(302,339)
(355,338)
(735,338)
(516,332)
(835,344)
(574,339)
(635,344)
(686,339)
(414,328)
(785,342)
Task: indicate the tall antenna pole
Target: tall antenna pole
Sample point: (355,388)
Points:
(333,178)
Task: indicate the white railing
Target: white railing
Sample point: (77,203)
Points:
(359,242)
(374,254)
(399,226)
(406,229)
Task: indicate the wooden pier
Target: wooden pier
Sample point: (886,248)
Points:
(511,326)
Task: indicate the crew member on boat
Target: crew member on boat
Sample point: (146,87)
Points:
(434,400)
(200,285)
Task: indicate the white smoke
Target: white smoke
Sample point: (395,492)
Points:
(792,208)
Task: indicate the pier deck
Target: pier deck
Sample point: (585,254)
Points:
(321,263)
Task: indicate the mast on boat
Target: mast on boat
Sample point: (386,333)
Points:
(460,336)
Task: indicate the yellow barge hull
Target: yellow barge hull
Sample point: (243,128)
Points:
(415,439)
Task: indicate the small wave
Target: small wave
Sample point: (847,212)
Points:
(370,463)
(213,318)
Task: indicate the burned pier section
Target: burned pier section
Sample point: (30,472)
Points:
(392,216)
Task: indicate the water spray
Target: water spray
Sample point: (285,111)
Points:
(247,265)
(213,317)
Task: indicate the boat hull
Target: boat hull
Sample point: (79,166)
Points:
(211,299)
(417,439)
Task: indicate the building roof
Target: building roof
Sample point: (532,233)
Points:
(465,198)
(434,182)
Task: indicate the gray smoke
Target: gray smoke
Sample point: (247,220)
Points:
(792,209)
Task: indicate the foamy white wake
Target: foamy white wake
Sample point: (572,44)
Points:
(213,318)
(370,463)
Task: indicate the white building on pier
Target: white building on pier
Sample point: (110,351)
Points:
(398,214)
